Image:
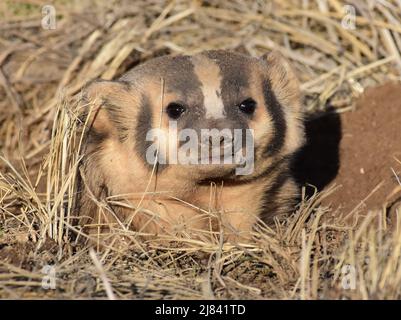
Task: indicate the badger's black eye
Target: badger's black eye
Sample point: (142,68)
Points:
(175,110)
(248,106)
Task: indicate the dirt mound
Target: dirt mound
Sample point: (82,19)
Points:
(370,150)
(359,151)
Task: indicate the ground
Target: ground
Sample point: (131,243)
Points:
(343,240)
(370,150)
(359,151)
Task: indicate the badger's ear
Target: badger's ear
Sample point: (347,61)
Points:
(105,105)
(283,80)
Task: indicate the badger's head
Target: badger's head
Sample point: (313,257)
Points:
(216,114)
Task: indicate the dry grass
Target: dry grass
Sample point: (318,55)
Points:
(300,257)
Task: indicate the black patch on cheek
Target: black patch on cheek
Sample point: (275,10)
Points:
(143,126)
(277,114)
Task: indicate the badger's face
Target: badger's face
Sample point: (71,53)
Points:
(214,114)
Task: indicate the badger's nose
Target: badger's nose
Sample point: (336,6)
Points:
(220,139)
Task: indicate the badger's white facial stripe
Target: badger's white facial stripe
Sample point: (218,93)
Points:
(208,73)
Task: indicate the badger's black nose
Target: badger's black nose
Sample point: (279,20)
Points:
(222,139)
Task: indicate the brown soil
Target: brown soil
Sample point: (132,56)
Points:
(369,149)
(357,151)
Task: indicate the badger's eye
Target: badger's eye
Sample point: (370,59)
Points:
(175,110)
(248,106)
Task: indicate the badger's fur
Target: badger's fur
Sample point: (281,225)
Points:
(189,199)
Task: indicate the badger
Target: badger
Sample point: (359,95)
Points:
(181,181)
